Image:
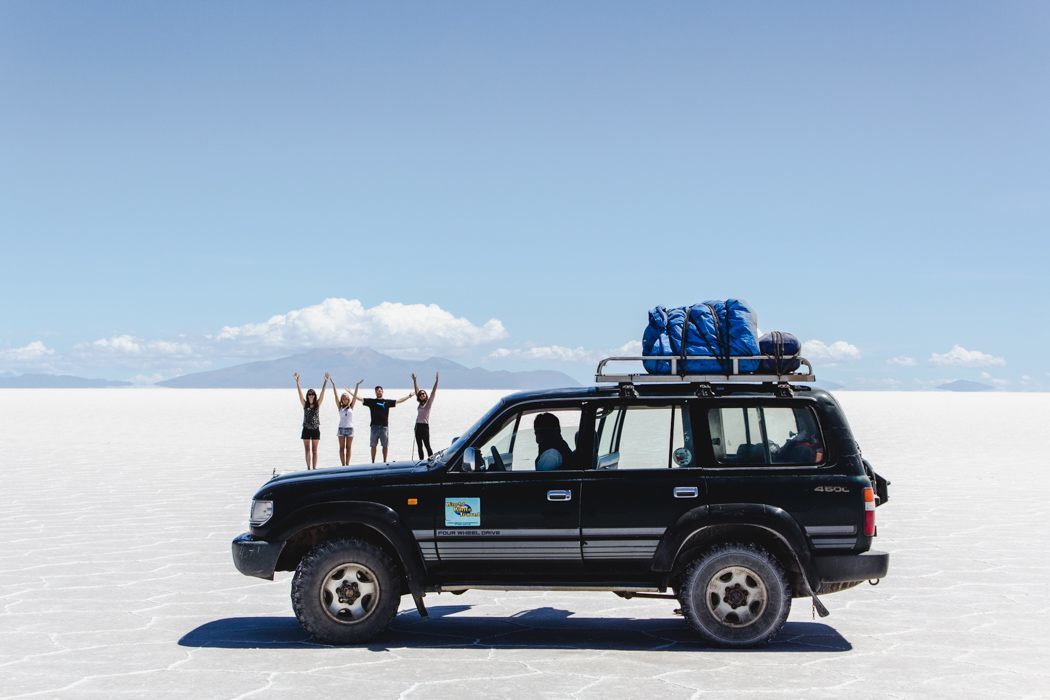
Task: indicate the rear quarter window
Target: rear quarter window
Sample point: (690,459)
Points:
(766,435)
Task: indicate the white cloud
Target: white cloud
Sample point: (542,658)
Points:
(339,322)
(130,345)
(118,343)
(993,380)
(562,353)
(631,347)
(1031,383)
(840,350)
(902,361)
(30,352)
(557,353)
(959,356)
(167,347)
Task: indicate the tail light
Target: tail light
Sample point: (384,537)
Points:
(869,512)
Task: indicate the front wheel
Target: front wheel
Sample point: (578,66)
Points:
(345,591)
(736,596)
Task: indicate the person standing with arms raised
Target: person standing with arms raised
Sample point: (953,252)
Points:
(345,432)
(423,415)
(311,404)
(380,424)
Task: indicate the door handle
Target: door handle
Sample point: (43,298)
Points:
(559,495)
(686,492)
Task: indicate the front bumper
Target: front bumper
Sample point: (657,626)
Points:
(255,557)
(842,568)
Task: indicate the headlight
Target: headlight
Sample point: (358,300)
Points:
(261,512)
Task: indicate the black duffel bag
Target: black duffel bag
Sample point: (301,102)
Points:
(785,350)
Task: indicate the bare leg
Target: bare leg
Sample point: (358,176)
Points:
(374,455)
(342,450)
(349,444)
(306,447)
(313,449)
(384,454)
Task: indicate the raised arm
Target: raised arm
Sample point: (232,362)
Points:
(353,399)
(434,390)
(320,399)
(415,386)
(335,394)
(299,388)
(404,398)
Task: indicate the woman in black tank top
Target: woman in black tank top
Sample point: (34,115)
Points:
(311,435)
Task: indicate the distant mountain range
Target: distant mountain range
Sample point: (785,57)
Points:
(56,381)
(347,365)
(965,385)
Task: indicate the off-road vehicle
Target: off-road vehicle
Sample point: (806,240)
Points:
(732,493)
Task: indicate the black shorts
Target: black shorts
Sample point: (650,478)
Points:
(311,433)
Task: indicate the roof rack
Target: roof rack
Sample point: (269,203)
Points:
(735,375)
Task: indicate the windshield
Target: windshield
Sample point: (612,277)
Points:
(457,446)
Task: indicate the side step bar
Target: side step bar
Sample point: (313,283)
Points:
(459,588)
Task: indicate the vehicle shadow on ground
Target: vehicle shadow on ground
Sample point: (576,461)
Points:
(543,628)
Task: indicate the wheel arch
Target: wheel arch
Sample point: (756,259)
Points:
(704,527)
(372,522)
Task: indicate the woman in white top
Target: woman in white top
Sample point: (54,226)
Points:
(426,401)
(346,404)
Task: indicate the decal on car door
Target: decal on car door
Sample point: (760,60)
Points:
(462,512)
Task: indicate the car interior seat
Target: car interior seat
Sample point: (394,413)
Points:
(750,454)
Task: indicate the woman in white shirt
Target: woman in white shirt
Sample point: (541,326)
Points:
(346,404)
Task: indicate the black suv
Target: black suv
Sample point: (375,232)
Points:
(732,498)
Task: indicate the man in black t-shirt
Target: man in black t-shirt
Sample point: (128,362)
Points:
(380,430)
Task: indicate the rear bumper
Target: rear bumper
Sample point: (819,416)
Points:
(255,557)
(840,568)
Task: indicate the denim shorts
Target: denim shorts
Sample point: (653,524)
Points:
(345,432)
(380,434)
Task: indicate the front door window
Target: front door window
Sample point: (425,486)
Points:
(537,440)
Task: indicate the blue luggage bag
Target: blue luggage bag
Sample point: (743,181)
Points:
(716,329)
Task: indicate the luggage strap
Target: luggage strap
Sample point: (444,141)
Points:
(722,349)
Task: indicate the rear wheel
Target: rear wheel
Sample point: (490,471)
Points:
(345,591)
(736,596)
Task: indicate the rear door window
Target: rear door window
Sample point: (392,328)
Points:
(643,437)
(761,435)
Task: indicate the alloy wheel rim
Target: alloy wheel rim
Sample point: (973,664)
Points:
(349,593)
(736,596)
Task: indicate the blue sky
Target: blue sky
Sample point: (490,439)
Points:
(873,174)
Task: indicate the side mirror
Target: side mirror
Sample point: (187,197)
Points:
(471,457)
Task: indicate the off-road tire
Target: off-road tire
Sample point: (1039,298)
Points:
(310,576)
(766,581)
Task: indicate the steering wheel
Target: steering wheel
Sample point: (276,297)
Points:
(497,461)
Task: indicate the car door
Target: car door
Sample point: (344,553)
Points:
(506,519)
(773,451)
(645,477)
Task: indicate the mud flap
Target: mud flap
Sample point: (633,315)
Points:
(819,607)
(423,608)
